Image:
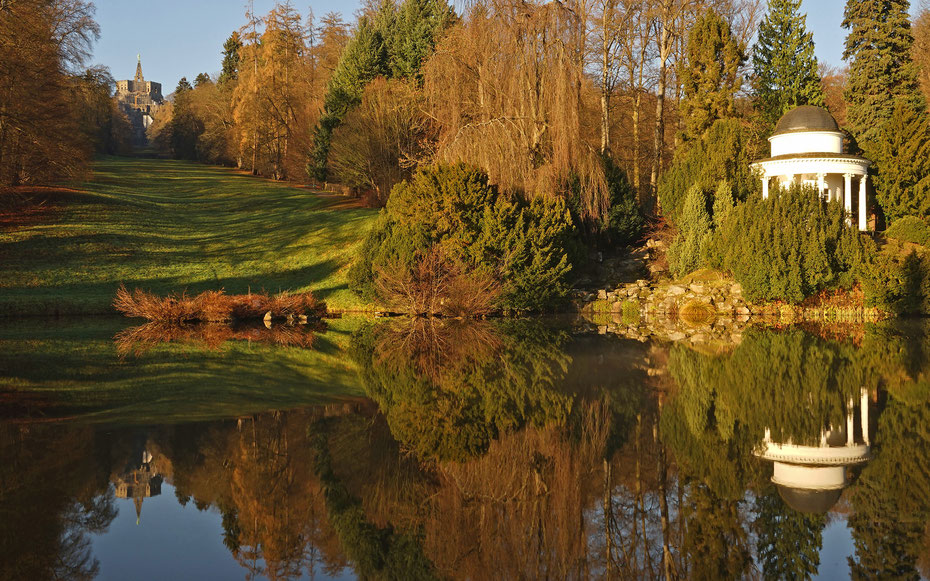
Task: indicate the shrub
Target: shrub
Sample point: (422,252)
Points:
(688,250)
(898,282)
(623,223)
(376,145)
(789,246)
(453,210)
(910,229)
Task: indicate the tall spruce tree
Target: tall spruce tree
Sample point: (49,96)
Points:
(784,65)
(231,58)
(710,77)
(881,70)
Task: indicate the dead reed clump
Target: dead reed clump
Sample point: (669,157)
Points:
(216,306)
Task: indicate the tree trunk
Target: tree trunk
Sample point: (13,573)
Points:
(659,139)
(605,78)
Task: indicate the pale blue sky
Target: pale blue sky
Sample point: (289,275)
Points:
(185,37)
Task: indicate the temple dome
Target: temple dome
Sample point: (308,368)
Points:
(809,501)
(806,118)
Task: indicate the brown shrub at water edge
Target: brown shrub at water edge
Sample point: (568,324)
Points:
(437,285)
(215,306)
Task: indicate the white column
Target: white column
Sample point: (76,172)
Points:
(863,226)
(821,185)
(850,426)
(847,197)
(765,188)
(864,415)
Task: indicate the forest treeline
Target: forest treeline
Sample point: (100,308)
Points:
(592,118)
(55,112)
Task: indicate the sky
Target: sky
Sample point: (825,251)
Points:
(185,37)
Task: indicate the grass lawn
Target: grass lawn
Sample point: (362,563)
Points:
(171,226)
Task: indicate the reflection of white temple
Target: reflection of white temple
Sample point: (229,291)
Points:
(812,478)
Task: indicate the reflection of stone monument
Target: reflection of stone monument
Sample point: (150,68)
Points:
(812,478)
(139,483)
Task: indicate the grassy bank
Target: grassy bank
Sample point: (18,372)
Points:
(171,226)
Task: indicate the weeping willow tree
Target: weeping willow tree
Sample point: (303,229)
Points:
(506,88)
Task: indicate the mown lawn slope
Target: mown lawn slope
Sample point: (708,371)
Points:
(171,226)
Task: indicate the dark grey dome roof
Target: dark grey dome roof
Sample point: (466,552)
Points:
(809,501)
(806,118)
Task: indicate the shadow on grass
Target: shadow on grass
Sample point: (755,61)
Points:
(169,226)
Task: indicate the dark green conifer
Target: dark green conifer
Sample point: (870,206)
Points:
(785,68)
(881,71)
(688,250)
(710,77)
(231,58)
(901,153)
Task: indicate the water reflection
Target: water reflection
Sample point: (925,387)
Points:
(515,449)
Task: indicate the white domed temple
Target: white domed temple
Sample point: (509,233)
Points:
(807,148)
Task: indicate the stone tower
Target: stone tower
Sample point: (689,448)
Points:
(140,99)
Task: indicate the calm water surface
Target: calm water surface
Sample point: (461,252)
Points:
(503,450)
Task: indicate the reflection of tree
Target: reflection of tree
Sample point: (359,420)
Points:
(788,542)
(376,552)
(891,500)
(52,496)
(787,381)
(448,388)
(258,472)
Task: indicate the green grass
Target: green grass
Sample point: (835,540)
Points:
(171,226)
(71,369)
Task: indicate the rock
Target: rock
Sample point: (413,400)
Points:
(698,288)
(602,295)
(675,290)
(698,338)
(736,289)
(602,329)
(676,336)
(742,310)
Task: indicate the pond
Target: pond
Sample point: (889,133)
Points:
(490,450)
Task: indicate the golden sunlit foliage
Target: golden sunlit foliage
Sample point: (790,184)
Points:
(43,44)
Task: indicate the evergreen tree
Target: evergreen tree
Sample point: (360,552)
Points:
(231,57)
(723,203)
(417,26)
(364,59)
(881,70)
(902,154)
(710,76)
(686,253)
(183,87)
(785,68)
(202,79)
